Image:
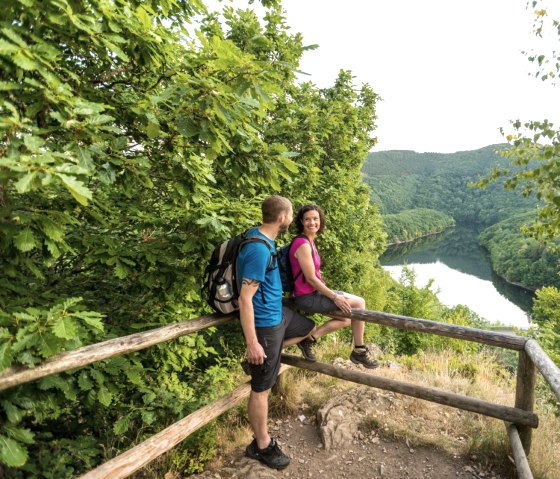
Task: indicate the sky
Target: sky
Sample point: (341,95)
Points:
(450,73)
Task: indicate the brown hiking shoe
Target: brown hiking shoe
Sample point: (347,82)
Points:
(306,347)
(362,357)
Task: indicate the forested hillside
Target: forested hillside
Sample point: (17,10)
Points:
(518,258)
(403,180)
(411,224)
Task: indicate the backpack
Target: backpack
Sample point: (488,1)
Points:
(221,287)
(285,266)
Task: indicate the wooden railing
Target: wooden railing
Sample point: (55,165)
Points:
(519,420)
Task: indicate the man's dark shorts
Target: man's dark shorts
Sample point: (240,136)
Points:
(293,325)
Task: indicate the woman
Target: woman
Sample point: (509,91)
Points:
(312,295)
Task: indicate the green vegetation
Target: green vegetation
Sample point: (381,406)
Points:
(129,147)
(411,224)
(518,258)
(403,180)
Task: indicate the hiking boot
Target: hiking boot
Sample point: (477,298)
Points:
(271,455)
(362,357)
(306,347)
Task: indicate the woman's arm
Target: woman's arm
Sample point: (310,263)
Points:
(305,259)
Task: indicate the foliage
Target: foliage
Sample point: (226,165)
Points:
(520,259)
(129,146)
(534,151)
(546,314)
(411,224)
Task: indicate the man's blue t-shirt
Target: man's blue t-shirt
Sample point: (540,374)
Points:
(252,263)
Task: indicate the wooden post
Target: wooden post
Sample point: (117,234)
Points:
(525,395)
(521,463)
(545,365)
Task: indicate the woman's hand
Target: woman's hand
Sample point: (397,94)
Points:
(342,303)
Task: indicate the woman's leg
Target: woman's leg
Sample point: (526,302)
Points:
(358,327)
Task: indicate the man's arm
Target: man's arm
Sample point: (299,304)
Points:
(255,352)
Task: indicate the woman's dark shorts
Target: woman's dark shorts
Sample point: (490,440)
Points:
(316,303)
(293,325)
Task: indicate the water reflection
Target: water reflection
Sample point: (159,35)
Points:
(462,272)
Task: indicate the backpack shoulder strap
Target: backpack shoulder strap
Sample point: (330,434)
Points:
(256,239)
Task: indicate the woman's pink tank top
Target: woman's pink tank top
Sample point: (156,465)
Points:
(301,286)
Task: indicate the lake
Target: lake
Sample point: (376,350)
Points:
(461,272)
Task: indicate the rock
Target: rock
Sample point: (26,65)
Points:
(340,418)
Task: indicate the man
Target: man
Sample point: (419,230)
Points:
(267,326)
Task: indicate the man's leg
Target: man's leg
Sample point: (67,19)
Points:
(258,417)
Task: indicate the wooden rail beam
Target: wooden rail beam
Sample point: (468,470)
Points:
(493,338)
(505,413)
(545,365)
(16,375)
(521,463)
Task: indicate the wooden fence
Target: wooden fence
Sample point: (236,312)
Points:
(519,420)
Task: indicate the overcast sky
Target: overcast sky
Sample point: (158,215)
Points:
(450,72)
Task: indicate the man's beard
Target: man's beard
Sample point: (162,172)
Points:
(283,228)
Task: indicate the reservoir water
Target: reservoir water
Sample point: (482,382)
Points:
(462,275)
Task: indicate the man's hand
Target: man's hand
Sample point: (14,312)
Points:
(255,353)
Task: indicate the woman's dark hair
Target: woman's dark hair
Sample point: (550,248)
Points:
(304,209)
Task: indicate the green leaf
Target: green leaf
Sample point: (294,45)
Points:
(13,413)
(104,396)
(24,183)
(121,270)
(289,164)
(11,452)
(92,319)
(122,425)
(25,241)
(48,345)
(20,434)
(33,143)
(134,376)
(152,130)
(52,230)
(84,382)
(22,60)
(76,187)
(65,328)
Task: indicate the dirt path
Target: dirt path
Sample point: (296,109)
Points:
(369,455)
(353,436)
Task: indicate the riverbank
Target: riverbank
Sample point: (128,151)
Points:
(416,238)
